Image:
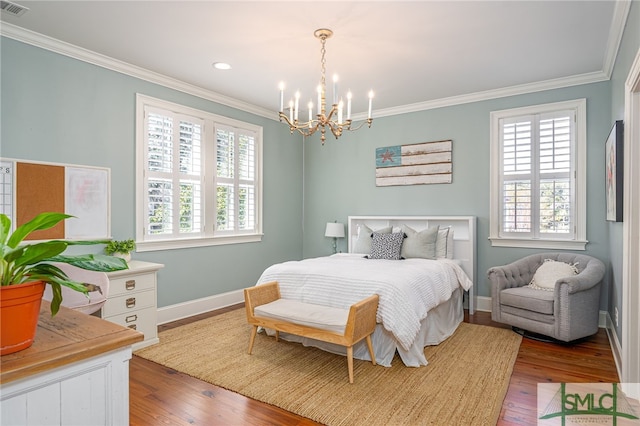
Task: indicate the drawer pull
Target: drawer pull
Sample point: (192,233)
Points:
(131,302)
(130,284)
(133,327)
(131,318)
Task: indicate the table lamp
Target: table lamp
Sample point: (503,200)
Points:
(334,230)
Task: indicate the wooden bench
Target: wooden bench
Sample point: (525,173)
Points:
(294,317)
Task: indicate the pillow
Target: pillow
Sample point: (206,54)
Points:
(363,242)
(551,271)
(444,243)
(386,246)
(419,244)
(450,243)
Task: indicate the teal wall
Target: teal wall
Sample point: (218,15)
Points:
(340,176)
(54,108)
(58,109)
(629,48)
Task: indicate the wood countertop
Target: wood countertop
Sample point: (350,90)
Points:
(68,337)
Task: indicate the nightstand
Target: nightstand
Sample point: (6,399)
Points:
(132,300)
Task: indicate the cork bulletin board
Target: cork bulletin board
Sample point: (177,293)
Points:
(29,188)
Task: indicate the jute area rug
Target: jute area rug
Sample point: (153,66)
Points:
(464,384)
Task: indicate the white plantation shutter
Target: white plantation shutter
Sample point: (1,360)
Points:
(174,174)
(199,177)
(517,174)
(236,179)
(159,131)
(556,146)
(534,191)
(191,178)
(246,180)
(536,169)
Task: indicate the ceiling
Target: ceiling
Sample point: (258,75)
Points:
(414,55)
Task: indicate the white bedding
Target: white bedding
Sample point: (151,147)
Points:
(408,289)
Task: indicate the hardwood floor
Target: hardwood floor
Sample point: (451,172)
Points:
(162,396)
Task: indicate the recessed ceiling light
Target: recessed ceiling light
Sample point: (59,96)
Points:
(221,66)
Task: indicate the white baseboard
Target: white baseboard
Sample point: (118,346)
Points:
(616,348)
(483,303)
(194,307)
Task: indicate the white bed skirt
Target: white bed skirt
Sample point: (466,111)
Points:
(439,324)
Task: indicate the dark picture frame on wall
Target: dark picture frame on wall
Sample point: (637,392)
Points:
(613,172)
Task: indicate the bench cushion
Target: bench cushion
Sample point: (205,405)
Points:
(293,311)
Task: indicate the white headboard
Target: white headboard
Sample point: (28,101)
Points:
(464,233)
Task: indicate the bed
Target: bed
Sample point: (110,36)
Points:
(421,299)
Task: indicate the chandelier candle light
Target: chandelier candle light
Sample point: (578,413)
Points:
(334,119)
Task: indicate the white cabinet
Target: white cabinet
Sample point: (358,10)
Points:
(132,300)
(75,373)
(93,391)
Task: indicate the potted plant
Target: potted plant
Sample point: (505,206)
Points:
(26,268)
(121,249)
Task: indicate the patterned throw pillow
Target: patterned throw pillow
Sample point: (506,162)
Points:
(363,242)
(386,246)
(551,271)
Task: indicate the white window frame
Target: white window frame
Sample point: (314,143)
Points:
(208,236)
(577,239)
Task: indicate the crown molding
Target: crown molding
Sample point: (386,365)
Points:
(620,14)
(558,83)
(619,19)
(36,39)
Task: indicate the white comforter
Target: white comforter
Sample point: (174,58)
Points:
(408,288)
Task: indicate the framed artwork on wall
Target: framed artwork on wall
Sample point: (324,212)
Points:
(613,172)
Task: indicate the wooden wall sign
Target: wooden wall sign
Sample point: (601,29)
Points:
(415,164)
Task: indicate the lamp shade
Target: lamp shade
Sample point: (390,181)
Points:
(335,230)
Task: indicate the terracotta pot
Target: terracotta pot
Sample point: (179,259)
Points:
(19,312)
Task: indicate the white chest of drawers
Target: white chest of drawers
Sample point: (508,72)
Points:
(132,300)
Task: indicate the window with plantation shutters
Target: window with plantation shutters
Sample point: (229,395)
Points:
(236,174)
(174,174)
(198,177)
(538,176)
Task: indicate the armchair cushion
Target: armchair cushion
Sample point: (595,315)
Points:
(529,299)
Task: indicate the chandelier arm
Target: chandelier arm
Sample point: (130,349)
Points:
(368,121)
(300,127)
(336,128)
(333,110)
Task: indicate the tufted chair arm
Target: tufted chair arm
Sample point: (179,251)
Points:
(516,274)
(590,276)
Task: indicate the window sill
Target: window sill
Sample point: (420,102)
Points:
(539,244)
(142,246)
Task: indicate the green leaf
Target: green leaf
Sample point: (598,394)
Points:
(93,262)
(42,221)
(56,300)
(34,253)
(5,228)
(28,261)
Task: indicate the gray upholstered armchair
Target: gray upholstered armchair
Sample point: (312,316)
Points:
(568,312)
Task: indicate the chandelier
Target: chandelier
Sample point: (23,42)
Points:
(335,118)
